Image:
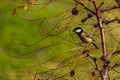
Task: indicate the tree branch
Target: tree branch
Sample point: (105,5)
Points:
(104,50)
(102,10)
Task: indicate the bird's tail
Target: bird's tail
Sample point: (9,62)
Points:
(95,45)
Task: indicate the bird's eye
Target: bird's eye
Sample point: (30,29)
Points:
(78,30)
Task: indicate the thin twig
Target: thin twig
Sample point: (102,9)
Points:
(85,7)
(102,10)
(94,60)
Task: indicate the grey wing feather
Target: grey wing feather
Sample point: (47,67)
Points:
(90,36)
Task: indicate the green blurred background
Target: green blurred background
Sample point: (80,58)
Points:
(13,29)
(18,35)
(15,34)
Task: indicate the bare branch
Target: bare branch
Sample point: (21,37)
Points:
(94,60)
(104,52)
(85,7)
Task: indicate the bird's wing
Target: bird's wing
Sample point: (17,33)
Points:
(90,36)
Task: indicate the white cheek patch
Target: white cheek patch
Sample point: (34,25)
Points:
(78,30)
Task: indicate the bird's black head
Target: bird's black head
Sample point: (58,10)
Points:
(78,30)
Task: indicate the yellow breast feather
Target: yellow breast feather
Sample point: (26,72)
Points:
(85,38)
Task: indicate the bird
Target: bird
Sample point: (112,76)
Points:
(85,37)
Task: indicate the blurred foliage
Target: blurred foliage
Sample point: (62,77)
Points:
(13,29)
(38,38)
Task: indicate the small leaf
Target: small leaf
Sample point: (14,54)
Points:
(33,2)
(14,11)
(25,6)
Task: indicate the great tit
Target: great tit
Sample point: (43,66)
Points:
(85,37)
